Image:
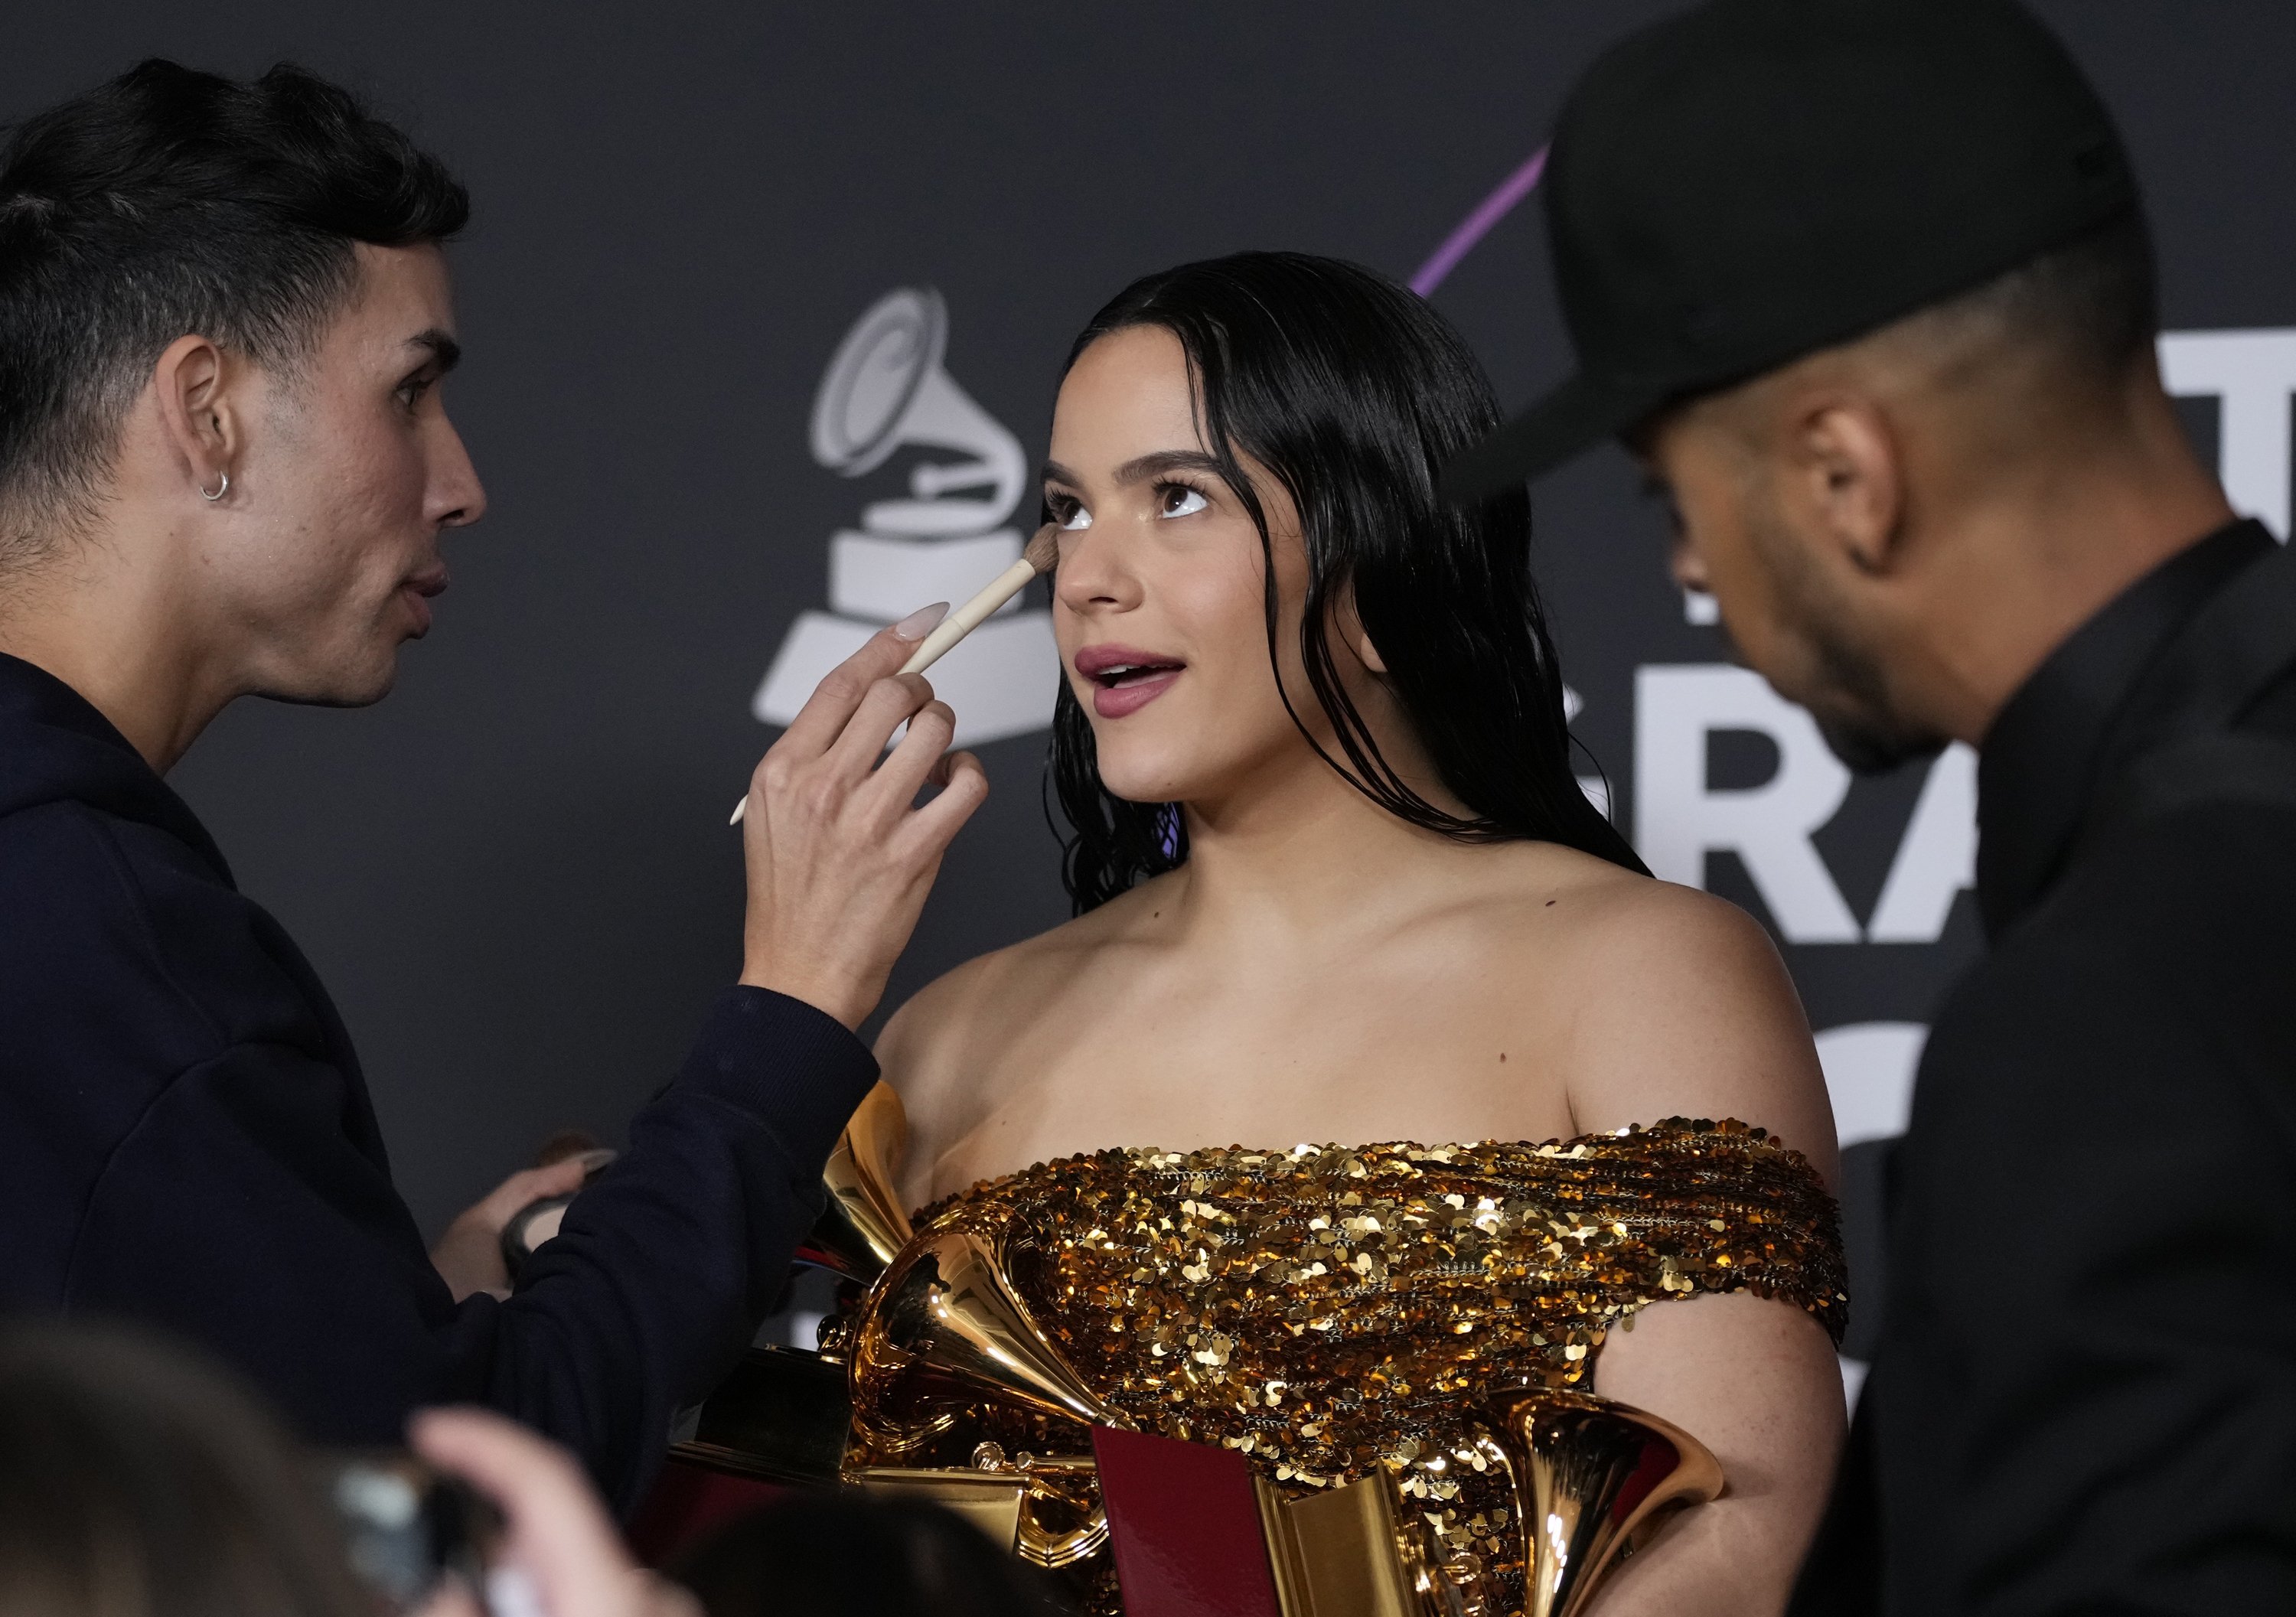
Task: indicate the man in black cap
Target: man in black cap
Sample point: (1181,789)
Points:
(1868,289)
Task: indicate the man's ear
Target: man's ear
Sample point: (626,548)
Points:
(192,384)
(1849,476)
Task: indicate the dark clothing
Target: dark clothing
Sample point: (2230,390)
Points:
(2085,1400)
(186,1141)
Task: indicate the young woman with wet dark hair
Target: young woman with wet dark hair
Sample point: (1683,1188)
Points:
(1336,882)
(1343,429)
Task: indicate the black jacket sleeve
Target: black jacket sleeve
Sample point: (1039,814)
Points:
(2086,1397)
(185,1141)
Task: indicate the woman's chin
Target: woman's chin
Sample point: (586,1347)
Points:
(1146,790)
(1144,779)
(1183,769)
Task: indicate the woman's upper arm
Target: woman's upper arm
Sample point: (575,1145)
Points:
(1756,1381)
(1681,1007)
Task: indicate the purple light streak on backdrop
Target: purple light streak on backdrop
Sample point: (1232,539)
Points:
(1478,223)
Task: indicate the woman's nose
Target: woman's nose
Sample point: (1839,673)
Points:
(1092,576)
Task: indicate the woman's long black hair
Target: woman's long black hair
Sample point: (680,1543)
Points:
(1355,393)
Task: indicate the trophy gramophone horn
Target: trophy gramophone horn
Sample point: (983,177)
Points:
(1594,1479)
(944,1330)
(886,388)
(861,1227)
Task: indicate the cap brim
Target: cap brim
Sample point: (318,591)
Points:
(1567,423)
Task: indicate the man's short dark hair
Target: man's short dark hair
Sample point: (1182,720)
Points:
(168,202)
(2065,328)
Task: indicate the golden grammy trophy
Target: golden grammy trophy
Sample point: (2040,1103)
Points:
(943,1329)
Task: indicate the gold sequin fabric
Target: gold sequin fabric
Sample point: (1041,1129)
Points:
(1326,1309)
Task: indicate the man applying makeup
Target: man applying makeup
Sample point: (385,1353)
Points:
(226,470)
(1868,289)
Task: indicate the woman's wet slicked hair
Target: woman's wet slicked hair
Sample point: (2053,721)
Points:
(1353,393)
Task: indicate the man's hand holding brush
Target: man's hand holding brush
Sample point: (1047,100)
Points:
(840,855)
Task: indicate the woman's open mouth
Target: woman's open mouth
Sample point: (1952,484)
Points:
(1128,679)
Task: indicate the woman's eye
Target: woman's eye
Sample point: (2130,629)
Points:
(1180,500)
(1072,517)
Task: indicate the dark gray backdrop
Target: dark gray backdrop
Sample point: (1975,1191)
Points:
(515,874)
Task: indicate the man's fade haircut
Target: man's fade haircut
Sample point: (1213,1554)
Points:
(2089,308)
(2085,312)
(168,202)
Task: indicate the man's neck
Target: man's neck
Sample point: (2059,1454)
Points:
(2031,565)
(117,635)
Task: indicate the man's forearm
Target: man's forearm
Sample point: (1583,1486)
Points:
(666,1262)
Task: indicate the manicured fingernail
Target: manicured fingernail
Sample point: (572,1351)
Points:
(920,623)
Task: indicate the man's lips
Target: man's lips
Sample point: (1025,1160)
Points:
(418,589)
(1128,678)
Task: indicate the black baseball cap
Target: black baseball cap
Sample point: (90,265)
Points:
(1753,180)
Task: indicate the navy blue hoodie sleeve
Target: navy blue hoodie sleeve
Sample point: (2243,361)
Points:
(665,1264)
(185,1140)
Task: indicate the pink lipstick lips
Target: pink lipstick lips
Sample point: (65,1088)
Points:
(1128,678)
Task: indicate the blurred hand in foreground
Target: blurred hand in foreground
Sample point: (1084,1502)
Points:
(559,1555)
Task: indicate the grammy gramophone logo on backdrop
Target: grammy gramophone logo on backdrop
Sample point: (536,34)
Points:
(884,391)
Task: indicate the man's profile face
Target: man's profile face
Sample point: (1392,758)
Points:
(1785,595)
(351,473)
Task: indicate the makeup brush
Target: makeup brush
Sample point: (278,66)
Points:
(1036,560)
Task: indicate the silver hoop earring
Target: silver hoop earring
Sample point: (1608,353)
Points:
(222,488)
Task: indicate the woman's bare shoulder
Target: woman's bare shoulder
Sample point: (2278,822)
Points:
(1676,1003)
(1624,909)
(936,1025)
(951,1031)
(1604,931)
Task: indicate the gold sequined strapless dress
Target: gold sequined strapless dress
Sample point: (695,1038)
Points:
(1328,1310)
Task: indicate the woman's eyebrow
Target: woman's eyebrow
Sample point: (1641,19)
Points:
(1140,468)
